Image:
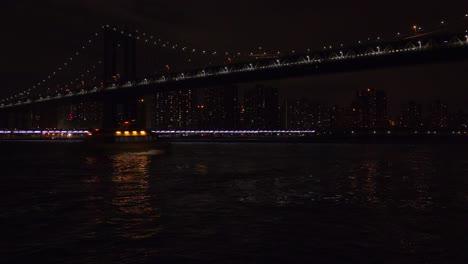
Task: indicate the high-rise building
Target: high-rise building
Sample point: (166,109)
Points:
(370,109)
(298,114)
(261,108)
(221,109)
(302,114)
(438,115)
(35,120)
(172,109)
(458,120)
(80,115)
(232,108)
(341,117)
(411,116)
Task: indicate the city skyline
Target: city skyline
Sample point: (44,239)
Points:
(259,107)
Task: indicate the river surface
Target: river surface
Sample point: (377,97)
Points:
(234,203)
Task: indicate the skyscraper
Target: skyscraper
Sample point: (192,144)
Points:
(458,120)
(370,109)
(411,116)
(438,115)
(86,114)
(302,114)
(221,109)
(341,117)
(172,109)
(261,108)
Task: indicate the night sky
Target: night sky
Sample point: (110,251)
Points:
(38,35)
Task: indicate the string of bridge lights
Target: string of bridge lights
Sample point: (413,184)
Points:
(66,64)
(260,51)
(151,40)
(186,49)
(67,87)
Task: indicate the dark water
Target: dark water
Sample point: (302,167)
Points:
(234,203)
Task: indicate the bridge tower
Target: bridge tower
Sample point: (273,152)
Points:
(119,57)
(119,61)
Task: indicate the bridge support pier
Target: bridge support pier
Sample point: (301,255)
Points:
(108,115)
(148,113)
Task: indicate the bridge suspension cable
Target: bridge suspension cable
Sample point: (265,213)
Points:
(82,80)
(59,69)
(259,52)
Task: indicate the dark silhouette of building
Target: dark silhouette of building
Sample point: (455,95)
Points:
(411,116)
(458,120)
(221,109)
(261,108)
(80,115)
(341,117)
(302,114)
(438,115)
(370,109)
(231,107)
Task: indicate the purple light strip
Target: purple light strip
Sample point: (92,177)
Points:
(29,132)
(234,131)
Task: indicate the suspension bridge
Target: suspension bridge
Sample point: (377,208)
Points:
(113,78)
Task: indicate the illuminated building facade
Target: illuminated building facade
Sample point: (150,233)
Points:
(80,115)
(172,109)
(306,115)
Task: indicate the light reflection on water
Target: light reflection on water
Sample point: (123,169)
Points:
(137,218)
(238,203)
